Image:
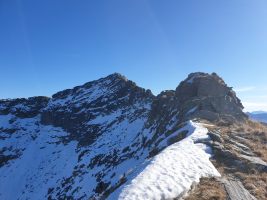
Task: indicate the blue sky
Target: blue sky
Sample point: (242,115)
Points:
(47,46)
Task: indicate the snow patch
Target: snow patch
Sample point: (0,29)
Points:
(171,173)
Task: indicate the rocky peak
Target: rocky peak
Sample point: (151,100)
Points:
(208,96)
(117,76)
(114,85)
(201,85)
(109,81)
(73,108)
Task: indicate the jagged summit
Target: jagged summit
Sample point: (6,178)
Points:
(202,84)
(207,96)
(108,81)
(201,75)
(118,76)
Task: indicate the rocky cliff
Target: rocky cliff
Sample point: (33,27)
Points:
(207,96)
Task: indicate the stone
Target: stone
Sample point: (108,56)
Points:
(216,137)
(236,191)
(255,162)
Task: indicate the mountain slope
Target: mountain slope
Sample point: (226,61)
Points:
(100,123)
(171,173)
(94,141)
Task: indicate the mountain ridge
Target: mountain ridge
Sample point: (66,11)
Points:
(107,126)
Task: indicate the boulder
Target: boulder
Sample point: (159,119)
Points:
(215,136)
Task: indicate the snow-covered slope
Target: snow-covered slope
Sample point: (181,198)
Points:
(39,160)
(108,138)
(171,173)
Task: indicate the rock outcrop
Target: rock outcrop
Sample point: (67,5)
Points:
(207,96)
(236,191)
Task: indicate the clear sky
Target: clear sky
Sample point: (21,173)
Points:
(50,45)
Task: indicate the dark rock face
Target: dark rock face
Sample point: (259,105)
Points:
(23,108)
(207,96)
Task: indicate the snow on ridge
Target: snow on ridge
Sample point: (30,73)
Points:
(171,173)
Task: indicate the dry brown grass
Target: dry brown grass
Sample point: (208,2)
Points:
(208,189)
(255,134)
(255,183)
(255,137)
